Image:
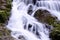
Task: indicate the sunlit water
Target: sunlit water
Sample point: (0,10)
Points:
(22,22)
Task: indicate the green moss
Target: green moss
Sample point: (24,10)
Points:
(9,1)
(3,16)
(55,34)
(5,13)
(50,20)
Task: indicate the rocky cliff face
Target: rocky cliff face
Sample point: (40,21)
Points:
(5,6)
(5,33)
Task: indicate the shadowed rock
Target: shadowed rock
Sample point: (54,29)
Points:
(5,33)
(44,16)
(21,37)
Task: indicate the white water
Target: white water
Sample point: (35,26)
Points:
(21,23)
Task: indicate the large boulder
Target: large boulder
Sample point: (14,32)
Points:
(44,16)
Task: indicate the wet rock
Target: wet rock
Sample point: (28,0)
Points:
(6,38)
(44,16)
(5,7)
(4,16)
(55,35)
(5,33)
(21,37)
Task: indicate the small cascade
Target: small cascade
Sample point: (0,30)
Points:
(22,22)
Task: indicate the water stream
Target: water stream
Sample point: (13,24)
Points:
(22,22)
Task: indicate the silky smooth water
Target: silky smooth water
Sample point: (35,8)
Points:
(22,22)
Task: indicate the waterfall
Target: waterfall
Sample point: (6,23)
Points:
(22,22)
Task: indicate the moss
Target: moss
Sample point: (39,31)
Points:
(5,8)
(3,16)
(8,6)
(5,12)
(50,20)
(8,1)
(55,34)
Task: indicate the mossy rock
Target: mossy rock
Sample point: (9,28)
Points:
(45,16)
(3,16)
(5,12)
(3,30)
(55,34)
(5,8)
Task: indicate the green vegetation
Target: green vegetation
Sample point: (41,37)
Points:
(5,10)
(4,16)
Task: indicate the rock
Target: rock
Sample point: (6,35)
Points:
(6,38)
(45,16)
(5,7)
(21,37)
(3,16)
(55,35)
(3,1)
(5,33)
(2,7)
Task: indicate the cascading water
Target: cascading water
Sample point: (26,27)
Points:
(22,22)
